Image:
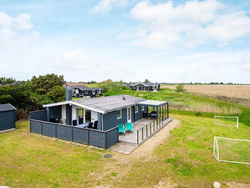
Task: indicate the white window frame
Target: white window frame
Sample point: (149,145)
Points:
(142,108)
(136,109)
(93,92)
(119,117)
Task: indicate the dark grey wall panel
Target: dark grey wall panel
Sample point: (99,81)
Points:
(97,138)
(49,129)
(35,127)
(109,120)
(7,120)
(103,139)
(112,137)
(80,135)
(39,115)
(139,114)
(64,132)
(55,111)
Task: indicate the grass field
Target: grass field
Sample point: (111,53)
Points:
(184,159)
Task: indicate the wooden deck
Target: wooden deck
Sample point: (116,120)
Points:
(128,142)
(132,136)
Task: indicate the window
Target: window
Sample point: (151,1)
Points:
(136,109)
(119,114)
(93,92)
(142,108)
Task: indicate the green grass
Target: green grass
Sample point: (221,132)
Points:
(185,159)
(37,161)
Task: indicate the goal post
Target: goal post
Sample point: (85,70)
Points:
(232,121)
(232,150)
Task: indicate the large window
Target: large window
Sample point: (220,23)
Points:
(136,109)
(119,114)
(142,108)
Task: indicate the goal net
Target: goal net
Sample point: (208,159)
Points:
(232,150)
(232,121)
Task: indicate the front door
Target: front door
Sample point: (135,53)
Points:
(129,114)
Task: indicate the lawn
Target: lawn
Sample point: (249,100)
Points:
(184,159)
(36,161)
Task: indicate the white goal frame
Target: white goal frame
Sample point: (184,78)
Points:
(228,117)
(217,154)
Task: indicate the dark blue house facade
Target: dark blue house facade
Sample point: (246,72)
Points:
(101,114)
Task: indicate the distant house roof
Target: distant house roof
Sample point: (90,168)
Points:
(104,104)
(81,86)
(6,107)
(74,84)
(145,84)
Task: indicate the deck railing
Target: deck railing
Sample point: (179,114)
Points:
(149,129)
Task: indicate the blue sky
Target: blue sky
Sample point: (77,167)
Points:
(130,40)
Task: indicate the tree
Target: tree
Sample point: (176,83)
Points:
(43,84)
(180,88)
(146,80)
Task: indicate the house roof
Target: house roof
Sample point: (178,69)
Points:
(6,107)
(152,103)
(110,103)
(145,84)
(103,104)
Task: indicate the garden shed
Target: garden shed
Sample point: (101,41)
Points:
(7,117)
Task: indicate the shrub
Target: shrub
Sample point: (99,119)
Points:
(180,88)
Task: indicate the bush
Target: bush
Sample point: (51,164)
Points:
(180,88)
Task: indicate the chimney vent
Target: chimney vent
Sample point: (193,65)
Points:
(124,98)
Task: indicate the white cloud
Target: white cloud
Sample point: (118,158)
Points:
(165,24)
(75,59)
(105,6)
(23,21)
(12,29)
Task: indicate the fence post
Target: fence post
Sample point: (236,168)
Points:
(72,134)
(146,131)
(106,140)
(88,136)
(138,136)
(41,128)
(56,130)
(142,133)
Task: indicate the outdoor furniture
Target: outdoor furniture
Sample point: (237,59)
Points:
(90,125)
(95,124)
(82,125)
(80,120)
(129,126)
(121,128)
(74,122)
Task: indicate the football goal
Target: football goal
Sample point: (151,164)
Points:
(227,121)
(232,150)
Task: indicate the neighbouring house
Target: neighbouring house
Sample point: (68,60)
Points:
(94,121)
(7,117)
(80,90)
(140,86)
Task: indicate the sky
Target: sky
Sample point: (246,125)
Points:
(129,40)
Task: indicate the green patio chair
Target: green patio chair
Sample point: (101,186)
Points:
(129,126)
(121,128)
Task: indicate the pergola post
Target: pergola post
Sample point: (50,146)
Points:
(167,110)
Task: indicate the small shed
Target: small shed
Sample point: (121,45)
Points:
(7,117)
